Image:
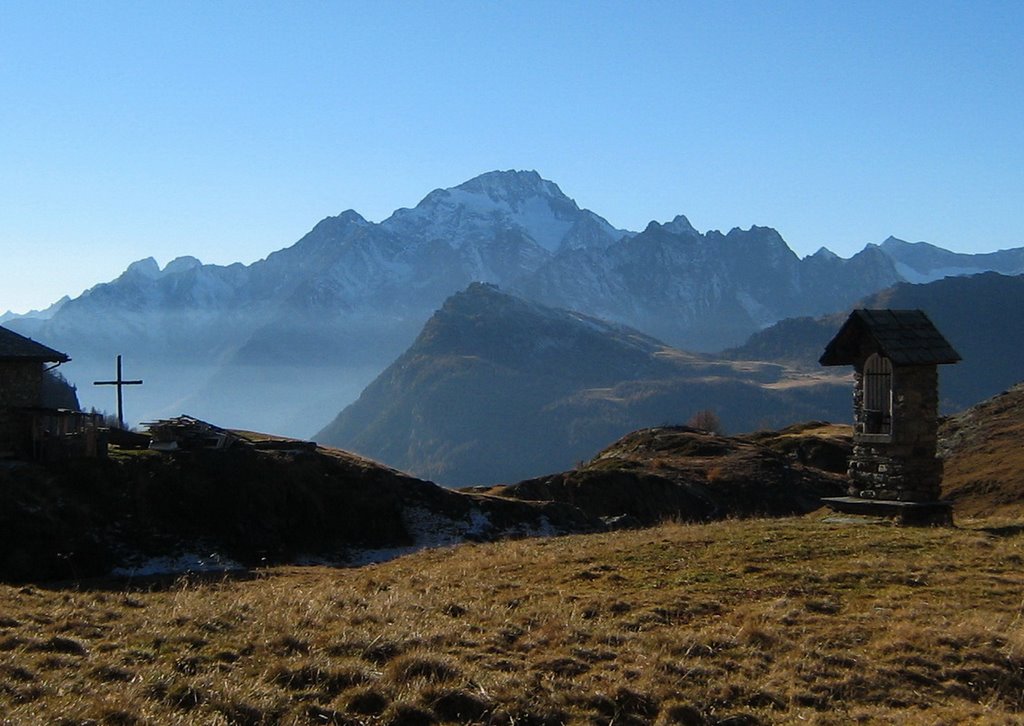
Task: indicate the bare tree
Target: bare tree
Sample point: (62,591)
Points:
(706,420)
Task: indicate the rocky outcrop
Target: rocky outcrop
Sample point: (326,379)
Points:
(682,473)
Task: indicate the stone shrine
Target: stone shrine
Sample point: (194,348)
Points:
(893,469)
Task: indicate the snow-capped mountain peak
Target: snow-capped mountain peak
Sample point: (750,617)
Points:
(513,186)
(491,203)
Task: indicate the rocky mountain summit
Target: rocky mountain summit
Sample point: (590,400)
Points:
(704,292)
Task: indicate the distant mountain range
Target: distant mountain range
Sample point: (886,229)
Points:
(922,262)
(283,343)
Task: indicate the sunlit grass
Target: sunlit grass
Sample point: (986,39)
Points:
(780,621)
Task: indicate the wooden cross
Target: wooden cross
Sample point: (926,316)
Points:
(120,382)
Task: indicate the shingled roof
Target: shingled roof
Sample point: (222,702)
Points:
(906,337)
(14,346)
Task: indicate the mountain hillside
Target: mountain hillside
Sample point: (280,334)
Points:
(691,475)
(497,388)
(142,512)
(732,623)
(979,315)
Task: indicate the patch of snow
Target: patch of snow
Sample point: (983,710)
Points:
(462,215)
(543,528)
(757,312)
(911,274)
(540,222)
(174,564)
(479,523)
(429,529)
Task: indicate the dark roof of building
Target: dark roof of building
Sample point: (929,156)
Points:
(13,345)
(906,337)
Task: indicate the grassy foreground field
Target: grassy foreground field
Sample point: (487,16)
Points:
(740,622)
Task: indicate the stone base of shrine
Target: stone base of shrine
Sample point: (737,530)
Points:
(934,514)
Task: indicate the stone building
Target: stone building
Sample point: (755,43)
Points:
(895,355)
(27,428)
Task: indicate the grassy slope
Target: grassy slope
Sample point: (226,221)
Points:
(783,621)
(770,621)
(984,462)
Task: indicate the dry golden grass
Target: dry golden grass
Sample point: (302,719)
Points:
(984,466)
(819,429)
(771,621)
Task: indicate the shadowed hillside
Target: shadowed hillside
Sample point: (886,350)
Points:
(499,389)
(238,507)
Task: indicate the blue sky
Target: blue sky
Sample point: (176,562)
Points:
(225,130)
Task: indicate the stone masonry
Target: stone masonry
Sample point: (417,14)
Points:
(900,465)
